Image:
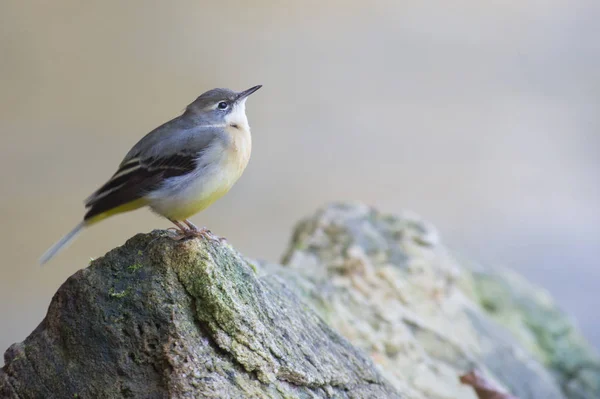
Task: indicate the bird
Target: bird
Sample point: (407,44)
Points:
(178,169)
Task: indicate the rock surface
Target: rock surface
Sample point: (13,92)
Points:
(546,332)
(365,305)
(391,288)
(158,318)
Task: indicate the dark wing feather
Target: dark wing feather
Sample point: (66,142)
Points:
(136,178)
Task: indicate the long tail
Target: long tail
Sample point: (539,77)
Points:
(62,244)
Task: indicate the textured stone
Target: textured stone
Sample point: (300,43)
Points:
(537,323)
(158,318)
(389,285)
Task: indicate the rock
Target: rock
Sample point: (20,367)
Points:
(534,319)
(158,318)
(365,305)
(391,288)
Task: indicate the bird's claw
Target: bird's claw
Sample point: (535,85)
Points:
(195,233)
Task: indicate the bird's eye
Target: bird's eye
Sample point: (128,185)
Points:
(222,105)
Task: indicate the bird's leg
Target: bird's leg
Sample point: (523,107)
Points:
(203,232)
(182,231)
(179,225)
(191,225)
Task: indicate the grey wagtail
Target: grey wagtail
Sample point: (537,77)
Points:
(179,168)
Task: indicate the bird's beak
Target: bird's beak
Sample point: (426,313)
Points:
(246,93)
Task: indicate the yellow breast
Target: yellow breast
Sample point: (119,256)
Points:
(206,190)
(239,149)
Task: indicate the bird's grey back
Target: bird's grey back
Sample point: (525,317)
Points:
(179,135)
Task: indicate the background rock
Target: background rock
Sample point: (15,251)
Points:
(545,331)
(390,287)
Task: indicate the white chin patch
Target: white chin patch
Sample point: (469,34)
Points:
(237,116)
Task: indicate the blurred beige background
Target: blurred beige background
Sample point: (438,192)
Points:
(481,116)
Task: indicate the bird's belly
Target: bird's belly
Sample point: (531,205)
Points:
(184,196)
(180,208)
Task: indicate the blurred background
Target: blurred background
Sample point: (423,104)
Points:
(483,117)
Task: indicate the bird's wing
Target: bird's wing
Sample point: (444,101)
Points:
(148,164)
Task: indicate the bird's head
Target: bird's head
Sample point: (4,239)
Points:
(221,107)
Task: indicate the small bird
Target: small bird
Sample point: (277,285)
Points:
(179,168)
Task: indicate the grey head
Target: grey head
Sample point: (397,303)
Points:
(220,106)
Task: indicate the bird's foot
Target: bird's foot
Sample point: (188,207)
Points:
(186,229)
(180,234)
(194,232)
(203,232)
